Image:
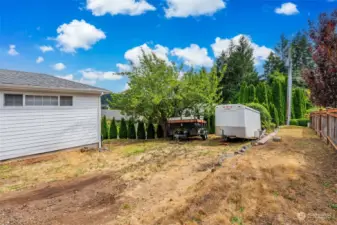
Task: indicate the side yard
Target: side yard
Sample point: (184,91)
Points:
(159,182)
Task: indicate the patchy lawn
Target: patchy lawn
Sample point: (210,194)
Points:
(159,182)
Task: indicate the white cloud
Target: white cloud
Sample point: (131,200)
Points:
(126,87)
(82,80)
(185,8)
(114,7)
(193,56)
(39,59)
(287,9)
(133,55)
(124,67)
(46,48)
(59,66)
(77,34)
(12,51)
(261,53)
(91,74)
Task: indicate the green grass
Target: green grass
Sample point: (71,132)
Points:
(236,220)
(333,206)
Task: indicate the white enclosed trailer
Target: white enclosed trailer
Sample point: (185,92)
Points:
(237,121)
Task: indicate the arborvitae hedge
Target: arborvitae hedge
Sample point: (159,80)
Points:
(299,103)
(279,100)
(141,131)
(104,128)
(123,131)
(151,133)
(113,129)
(265,116)
(262,93)
(131,130)
(160,131)
(274,115)
(242,94)
(251,93)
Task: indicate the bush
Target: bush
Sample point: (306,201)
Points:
(265,116)
(160,131)
(210,124)
(150,131)
(294,122)
(113,129)
(131,130)
(123,131)
(104,128)
(274,115)
(303,122)
(141,131)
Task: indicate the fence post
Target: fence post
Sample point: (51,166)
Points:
(327,127)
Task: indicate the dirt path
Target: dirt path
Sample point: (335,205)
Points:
(292,182)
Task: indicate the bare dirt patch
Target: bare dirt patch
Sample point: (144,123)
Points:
(290,182)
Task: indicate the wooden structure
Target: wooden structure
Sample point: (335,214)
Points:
(324,122)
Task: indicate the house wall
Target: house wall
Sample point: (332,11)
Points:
(28,130)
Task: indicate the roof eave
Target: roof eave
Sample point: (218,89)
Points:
(50,89)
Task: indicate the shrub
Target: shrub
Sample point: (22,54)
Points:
(160,131)
(294,122)
(131,130)
(150,131)
(211,124)
(123,131)
(104,128)
(303,122)
(141,131)
(265,116)
(274,115)
(113,129)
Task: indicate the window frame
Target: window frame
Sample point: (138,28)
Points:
(66,96)
(11,94)
(42,100)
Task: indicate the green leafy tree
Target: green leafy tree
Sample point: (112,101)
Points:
(104,128)
(141,131)
(151,134)
(131,129)
(160,131)
(262,93)
(123,130)
(251,93)
(113,129)
(279,100)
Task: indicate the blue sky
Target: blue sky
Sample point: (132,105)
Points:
(89,40)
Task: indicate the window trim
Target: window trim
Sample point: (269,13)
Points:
(42,96)
(67,96)
(13,106)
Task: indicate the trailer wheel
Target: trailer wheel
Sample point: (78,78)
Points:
(204,137)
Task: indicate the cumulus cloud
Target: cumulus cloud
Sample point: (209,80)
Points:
(92,74)
(261,53)
(82,80)
(12,50)
(193,56)
(46,48)
(185,8)
(76,35)
(115,7)
(59,66)
(288,9)
(123,67)
(133,55)
(126,87)
(39,59)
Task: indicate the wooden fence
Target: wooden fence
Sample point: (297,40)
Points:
(324,122)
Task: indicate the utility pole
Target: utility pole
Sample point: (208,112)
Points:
(290,86)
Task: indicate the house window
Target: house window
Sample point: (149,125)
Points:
(36,100)
(13,100)
(66,101)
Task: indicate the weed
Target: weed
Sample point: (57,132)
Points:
(275,193)
(126,206)
(134,151)
(333,206)
(5,168)
(242,209)
(236,220)
(326,184)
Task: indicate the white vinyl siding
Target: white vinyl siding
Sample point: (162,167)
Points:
(37,129)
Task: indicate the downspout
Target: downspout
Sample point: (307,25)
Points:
(99,121)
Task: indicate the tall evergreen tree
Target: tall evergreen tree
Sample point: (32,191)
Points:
(131,130)
(282,48)
(242,95)
(104,128)
(151,134)
(123,130)
(251,93)
(299,103)
(262,93)
(141,131)
(113,129)
(273,64)
(274,115)
(279,100)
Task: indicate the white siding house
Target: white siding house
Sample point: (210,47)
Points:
(41,113)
